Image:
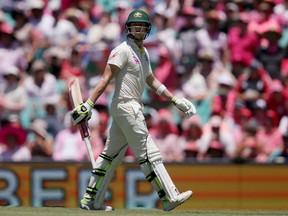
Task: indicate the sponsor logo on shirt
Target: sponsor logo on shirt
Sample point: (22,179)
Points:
(114,55)
(135,59)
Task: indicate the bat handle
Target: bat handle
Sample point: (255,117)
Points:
(83,126)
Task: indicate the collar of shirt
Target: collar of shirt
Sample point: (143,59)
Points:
(134,46)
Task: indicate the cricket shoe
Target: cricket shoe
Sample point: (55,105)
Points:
(87,204)
(181,198)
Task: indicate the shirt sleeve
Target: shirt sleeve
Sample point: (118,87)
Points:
(118,57)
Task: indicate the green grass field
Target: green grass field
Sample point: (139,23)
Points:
(57,211)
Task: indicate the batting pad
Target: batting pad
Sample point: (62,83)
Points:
(163,183)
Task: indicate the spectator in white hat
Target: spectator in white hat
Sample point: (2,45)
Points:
(13,96)
(12,54)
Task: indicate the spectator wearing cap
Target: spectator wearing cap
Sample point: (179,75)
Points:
(13,139)
(194,84)
(169,8)
(53,118)
(253,84)
(269,52)
(13,96)
(210,38)
(262,15)
(166,135)
(63,33)
(200,84)
(40,84)
(249,147)
(242,44)
(77,17)
(231,10)
(270,135)
(276,98)
(40,142)
(216,142)
(41,21)
(41,88)
(99,34)
(281,11)
(71,66)
(224,99)
(12,54)
(99,39)
(185,46)
(69,144)
(165,72)
(239,117)
(259,108)
(190,138)
(54,57)
(22,29)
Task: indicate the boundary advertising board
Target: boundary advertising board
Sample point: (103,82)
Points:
(215,186)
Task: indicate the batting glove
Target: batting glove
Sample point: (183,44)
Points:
(82,111)
(184,106)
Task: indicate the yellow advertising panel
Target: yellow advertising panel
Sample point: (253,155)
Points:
(223,186)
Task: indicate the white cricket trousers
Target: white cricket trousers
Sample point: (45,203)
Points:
(128,127)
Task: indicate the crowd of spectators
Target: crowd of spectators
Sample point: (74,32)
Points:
(229,57)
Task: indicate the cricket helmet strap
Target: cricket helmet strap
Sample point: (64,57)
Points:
(138,16)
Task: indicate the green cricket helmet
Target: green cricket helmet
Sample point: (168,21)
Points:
(138,16)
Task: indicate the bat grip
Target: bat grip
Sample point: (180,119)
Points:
(84,129)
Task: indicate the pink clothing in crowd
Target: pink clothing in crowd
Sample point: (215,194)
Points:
(242,45)
(69,146)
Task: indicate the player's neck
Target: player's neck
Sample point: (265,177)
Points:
(139,43)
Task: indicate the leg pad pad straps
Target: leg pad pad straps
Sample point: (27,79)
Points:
(163,177)
(91,191)
(99,172)
(150,178)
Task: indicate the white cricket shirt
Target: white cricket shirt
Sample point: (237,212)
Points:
(135,67)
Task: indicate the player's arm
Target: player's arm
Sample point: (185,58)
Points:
(83,111)
(157,87)
(109,73)
(182,104)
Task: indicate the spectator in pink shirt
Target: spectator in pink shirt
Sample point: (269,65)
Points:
(270,136)
(13,139)
(190,138)
(242,43)
(69,145)
(166,135)
(165,70)
(217,142)
(261,15)
(269,52)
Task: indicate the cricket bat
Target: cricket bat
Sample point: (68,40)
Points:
(76,99)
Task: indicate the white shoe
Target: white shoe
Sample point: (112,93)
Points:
(181,198)
(87,204)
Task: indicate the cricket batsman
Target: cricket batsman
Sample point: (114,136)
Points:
(129,65)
